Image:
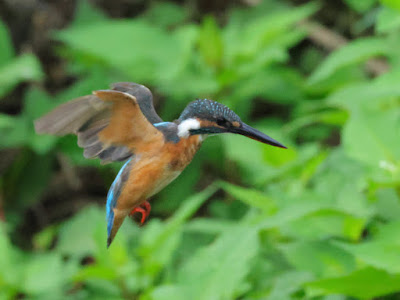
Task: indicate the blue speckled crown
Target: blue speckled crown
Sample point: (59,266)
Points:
(205,109)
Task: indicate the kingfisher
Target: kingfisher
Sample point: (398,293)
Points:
(120,124)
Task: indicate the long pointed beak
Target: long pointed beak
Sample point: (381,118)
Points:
(257,135)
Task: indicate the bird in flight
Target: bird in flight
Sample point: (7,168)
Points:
(121,124)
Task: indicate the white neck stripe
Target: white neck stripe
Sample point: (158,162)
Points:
(187,125)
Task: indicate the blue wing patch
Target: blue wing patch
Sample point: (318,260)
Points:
(169,130)
(113,195)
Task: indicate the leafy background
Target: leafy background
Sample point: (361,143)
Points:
(320,220)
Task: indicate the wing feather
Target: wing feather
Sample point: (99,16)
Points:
(110,124)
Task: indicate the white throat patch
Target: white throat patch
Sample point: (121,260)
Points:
(185,126)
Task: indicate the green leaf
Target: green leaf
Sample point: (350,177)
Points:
(44,273)
(380,90)
(6,50)
(23,68)
(280,85)
(366,136)
(32,174)
(365,284)
(173,225)
(168,292)
(382,251)
(130,46)
(264,31)
(387,204)
(10,273)
(210,42)
(326,223)
(394,4)
(159,241)
(288,283)
(361,6)
(224,263)
(324,259)
(165,14)
(388,20)
(87,13)
(353,53)
(251,196)
(7,122)
(77,235)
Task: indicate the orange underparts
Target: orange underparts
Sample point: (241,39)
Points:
(144,209)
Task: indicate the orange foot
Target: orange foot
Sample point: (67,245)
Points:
(144,209)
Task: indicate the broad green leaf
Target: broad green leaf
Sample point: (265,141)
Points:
(251,196)
(247,154)
(288,283)
(32,173)
(278,157)
(209,226)
(210,35)
(323,259)
(165,14)
(280,85)
(382,89)
(173,225)
(7,122)
(292,212)
(18,131)
(103,289)
(95,271)
(367,137)
(44,273)
(361,6)
(6,49)
(23,68)
(77,235)
(45,238)
(159,241)
(14,131)
(365,284)
(388,20)
(261,32)
(326,223)
(340,181)
(394,4)
(350,54)
(132,47)
(225,263)
(343,77)
(168,292)
(387,204)
(10,270)
(87,13)
(381,252)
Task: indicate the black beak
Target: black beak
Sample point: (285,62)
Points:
(254,134)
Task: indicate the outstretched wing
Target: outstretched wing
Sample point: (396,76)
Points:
(111,124)
(143,96)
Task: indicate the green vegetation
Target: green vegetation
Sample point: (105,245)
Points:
(320,220)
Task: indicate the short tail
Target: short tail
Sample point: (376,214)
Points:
(114,222)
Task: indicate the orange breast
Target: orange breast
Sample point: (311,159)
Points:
(151,172)
(156,169)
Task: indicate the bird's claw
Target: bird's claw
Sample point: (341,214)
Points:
(144,209)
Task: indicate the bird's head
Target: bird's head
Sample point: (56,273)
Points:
(209,117)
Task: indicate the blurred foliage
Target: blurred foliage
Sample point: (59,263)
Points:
(320,220)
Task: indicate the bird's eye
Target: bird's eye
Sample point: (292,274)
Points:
(222,122)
